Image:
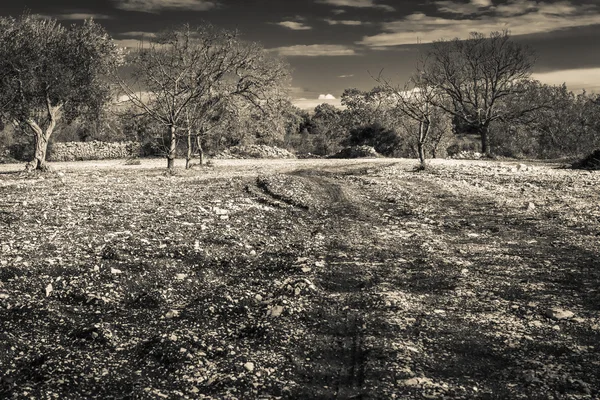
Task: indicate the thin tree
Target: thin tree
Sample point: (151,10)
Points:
(478,75)
(415,101)
(49,72)
(187,68)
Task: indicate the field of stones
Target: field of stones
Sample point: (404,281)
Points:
(288,279)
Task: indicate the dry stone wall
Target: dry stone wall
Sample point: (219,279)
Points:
(254,151)
(95,150)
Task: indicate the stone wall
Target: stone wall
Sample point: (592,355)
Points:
(78,151)
(254,151)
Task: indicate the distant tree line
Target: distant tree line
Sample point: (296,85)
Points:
(193,90)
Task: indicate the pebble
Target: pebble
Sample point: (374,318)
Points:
(557,313)
(537,324)
(418,382)
(249,366)
(275,311)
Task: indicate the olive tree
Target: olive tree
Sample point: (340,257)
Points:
(183,78)
(478,75)
(49,72)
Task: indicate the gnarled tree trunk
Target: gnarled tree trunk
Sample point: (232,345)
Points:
(41,138)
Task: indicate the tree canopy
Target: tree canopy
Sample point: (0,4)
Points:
(478,75)
(49,72)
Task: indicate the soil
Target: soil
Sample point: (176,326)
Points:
(346,279)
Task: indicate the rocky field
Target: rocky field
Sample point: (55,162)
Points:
(266,279)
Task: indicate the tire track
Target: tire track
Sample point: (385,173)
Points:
(332,360)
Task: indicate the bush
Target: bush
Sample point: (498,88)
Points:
(357,152)
(591,162)
(384,141)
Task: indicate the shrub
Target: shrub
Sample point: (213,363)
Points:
(591,162)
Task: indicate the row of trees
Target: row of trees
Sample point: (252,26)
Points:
(479,87)
(189,81)
(206,87)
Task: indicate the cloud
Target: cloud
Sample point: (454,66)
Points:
(296,26)
(576,79)
(326,97)
(315,50)
(512,7)
(76,16)
(144,95)
(153,6)
(338,11)
(343,22)
(137,34)
(473,7)
(310,104)
(357,4)
(345,76)
(537,18)
(130,43)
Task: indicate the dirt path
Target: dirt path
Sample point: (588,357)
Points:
(426,291)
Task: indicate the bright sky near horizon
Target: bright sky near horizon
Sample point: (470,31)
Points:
(337,44)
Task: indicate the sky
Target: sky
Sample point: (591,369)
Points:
(332,45)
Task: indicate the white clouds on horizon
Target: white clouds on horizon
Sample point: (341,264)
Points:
(524,18)
(76,16)
(310,104)
(153,6)
(575,79)
(137,34)
(326,97)
(315,50)
(130,43)
(293,25)
(343,22)
(357,4)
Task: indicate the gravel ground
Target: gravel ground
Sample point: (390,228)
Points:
(300,279)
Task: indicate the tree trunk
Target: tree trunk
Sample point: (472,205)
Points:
(172,147)
(486,149)
(200,150)
(41,144)
(188,157)
(423,132)
(421,151)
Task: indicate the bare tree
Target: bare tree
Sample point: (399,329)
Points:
(188,71)
(49,72)
(478,75)
(416,102)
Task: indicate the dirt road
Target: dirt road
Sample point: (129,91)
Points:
(430,289)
